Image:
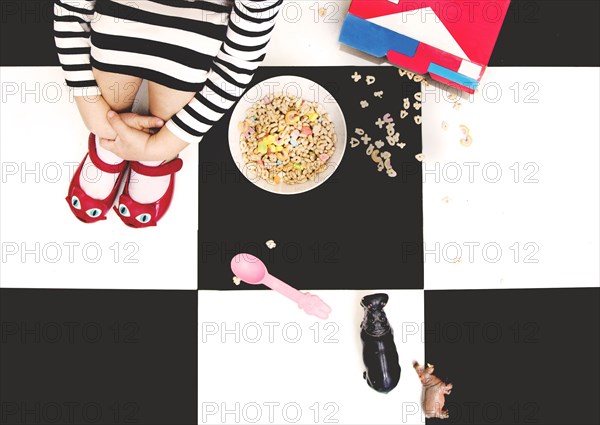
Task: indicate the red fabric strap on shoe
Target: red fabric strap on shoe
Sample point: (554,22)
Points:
(101,165)
(166,169)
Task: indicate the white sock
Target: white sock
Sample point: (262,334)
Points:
(147,189)
(97,183)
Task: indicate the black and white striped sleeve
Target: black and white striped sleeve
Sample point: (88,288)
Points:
(249,31)
(72,38)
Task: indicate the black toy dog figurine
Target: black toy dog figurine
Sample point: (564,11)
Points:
(379,350)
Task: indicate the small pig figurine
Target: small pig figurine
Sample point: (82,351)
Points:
(379,350)
(435,390)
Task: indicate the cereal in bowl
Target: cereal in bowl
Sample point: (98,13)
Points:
(287,139)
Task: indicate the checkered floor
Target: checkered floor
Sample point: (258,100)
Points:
(106,325)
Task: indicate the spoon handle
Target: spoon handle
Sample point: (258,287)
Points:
(311,304)
(282,287)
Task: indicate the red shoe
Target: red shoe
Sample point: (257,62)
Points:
(86,208)
(135,214)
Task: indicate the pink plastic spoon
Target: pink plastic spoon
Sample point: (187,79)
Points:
(253,271)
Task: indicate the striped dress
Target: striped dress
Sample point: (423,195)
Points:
(211,47)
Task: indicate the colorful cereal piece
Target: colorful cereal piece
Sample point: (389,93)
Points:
(312,116)
(292,117)
(298,166)
(306,130)
(388,118)
(262,147)
(324,157)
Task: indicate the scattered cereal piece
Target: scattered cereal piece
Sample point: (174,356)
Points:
(467,141)
(370,149)
(402,72)
(388,163)
(418,96)
(237,280)
(392,140)
(401,145)
(390,129)
(380,166)
(380,123)
(375,156)
(457,260)
(418,78)
(444,125)
(385,155)
(403,114)
(417,105)
(445,199)
(391,173)
(359,131)
(356,76)
(366,139)
(378,94)
(406,103)
(452,96)
(418,119)
(322,11)
(420,157)
(457,106)
(364,104)
(379,144)
(388,118)
(354,142)
(410,75)
(370,80)
(271,244)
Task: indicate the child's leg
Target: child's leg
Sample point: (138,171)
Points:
(163,102)
(119,92)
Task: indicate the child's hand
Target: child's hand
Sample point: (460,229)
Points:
(93,112)
(133,143)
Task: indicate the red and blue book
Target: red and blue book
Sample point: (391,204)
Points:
(449,39)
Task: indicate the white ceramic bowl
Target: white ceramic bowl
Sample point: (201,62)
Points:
(293,86)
